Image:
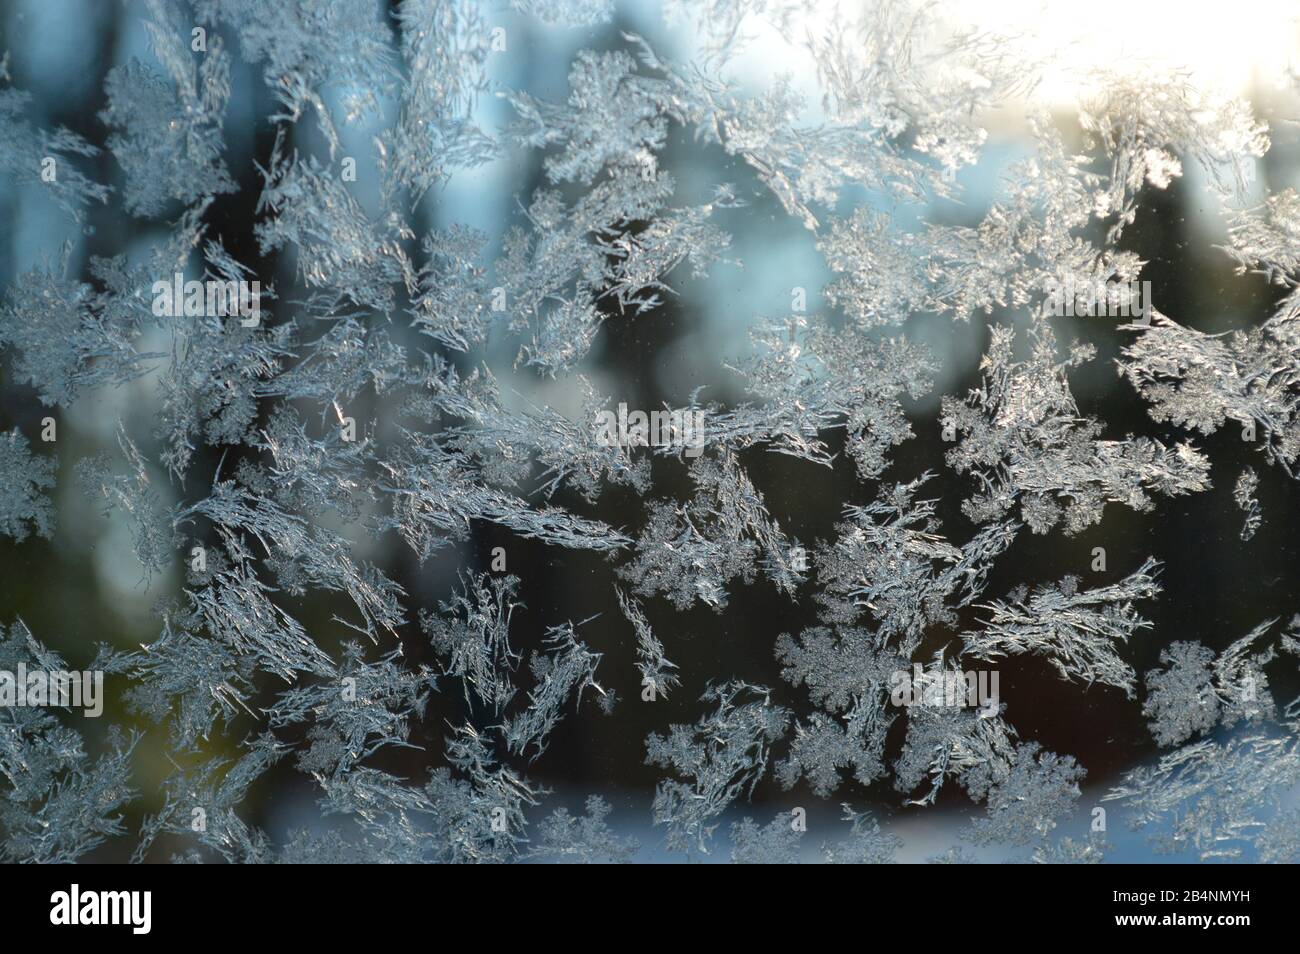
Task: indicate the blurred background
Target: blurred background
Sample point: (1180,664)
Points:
(84,587)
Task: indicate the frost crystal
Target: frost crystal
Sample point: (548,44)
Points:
(1201,382)
(654,667)
(26,151)
(1026,442)
(57,802)
(776,843)
(1210,795)
(1279,843)
(866,845)
(1244,495)
(477,646)
(436,495)
(848,674)
(445,45)
(723,755)
(1076,630)
(891,560)
(1027,801)
(1068,851)
(152,534)
(567,668)
(1196,690)
(168,136)
(584,840)
(69,337)
(572,13)
(305,205)
(691,552)
(24,477)
(308,49)
(812,378)
(943,742)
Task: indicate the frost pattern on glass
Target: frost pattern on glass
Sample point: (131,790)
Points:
(420,383)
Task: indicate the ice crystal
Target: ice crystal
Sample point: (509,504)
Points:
(691,552)
(1208,796)
(567,668)
(25,151)
(614,118)
(866,844)
(25,477)
(947,741)
(301,556)
(445,45)
(1196,690)
(812,378)
(848,674)
(1244,495)
(1026,802)
(1279,843)
(655,668)
(454,300)
(776,843)
(309,49)
(957,855)
(475,641)
(583,840)
(365,707)
(723,756)
(891,561)
(436,495)
(1025,440)
(306,206)
(822,747)
(168,139)
(58,802)
(1201,382)
(69,337)
(479,818)
(151,530)
(882,281)
(1067,851)
(1143,125)
(1077,630)
(186,682)
(567,12)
